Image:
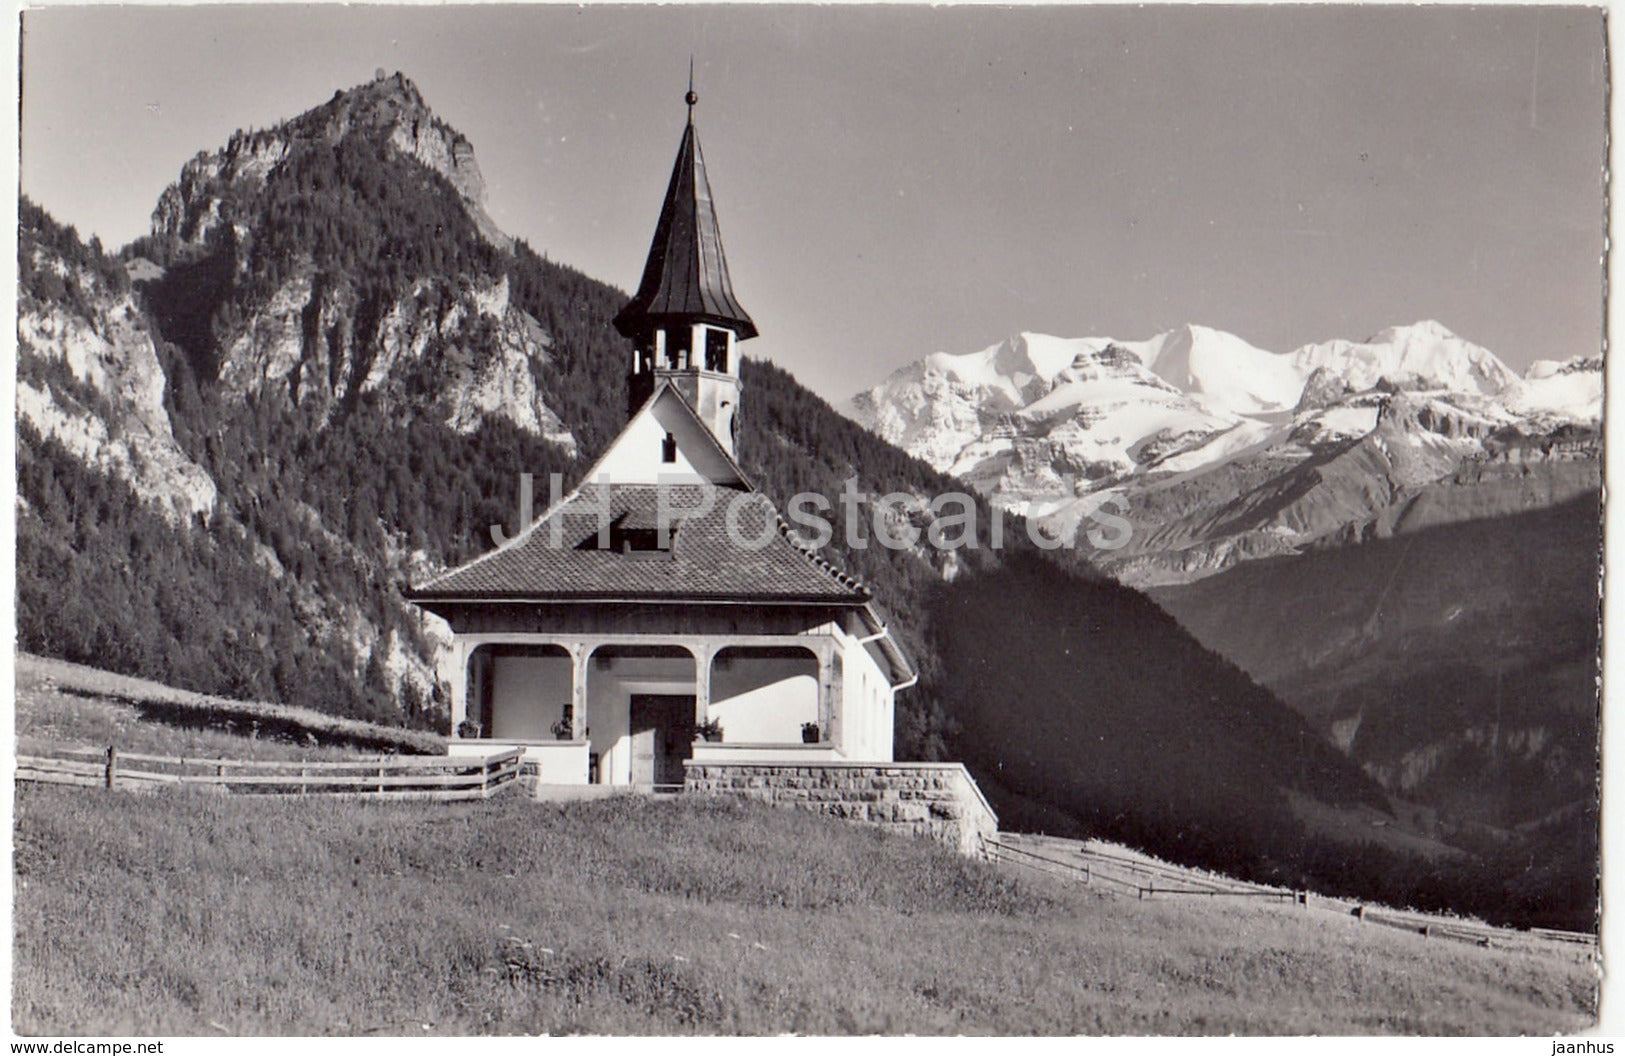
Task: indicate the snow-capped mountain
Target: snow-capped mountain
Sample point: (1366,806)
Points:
(1220,450)
(1039,407)
(1571,389)
(1225,372)
(1425,352)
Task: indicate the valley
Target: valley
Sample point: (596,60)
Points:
(1457,664)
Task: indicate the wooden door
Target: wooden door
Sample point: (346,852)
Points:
(662,737)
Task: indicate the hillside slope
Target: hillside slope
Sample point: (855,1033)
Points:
(1470,640)
(1457,664)
(749,920)
(61,704)
(1085,698)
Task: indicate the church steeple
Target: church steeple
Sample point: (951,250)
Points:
(685,321)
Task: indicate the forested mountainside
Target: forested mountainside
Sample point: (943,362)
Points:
(1457,663)
(319,379)
(265,563)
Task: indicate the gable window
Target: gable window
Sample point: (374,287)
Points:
(643,542)
(716,350)
(668,449)
(633,535)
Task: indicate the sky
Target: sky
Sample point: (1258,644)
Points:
(895,181)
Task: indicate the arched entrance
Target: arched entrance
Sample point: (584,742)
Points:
(642,703)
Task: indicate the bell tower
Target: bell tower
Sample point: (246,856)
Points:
(684,322)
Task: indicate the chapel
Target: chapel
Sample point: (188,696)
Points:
(662,613)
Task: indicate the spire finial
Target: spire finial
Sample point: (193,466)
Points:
(691,98)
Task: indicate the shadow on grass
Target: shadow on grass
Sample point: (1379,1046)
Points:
(268,722)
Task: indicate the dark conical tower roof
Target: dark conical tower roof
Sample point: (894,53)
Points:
(686,277)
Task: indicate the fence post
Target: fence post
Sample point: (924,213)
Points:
(112,765)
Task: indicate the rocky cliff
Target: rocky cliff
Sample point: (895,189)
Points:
(88,374)
(216,184)
(313,305)
(323,339)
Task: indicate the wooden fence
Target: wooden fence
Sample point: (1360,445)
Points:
(390,777)
(1148,879)
(1142,878)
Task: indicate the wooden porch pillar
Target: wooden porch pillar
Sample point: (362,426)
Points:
(829,692)
(703,655)
(455,672)
(580,653)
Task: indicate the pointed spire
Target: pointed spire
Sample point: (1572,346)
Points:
(686,276)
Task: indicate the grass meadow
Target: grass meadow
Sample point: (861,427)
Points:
(183,912)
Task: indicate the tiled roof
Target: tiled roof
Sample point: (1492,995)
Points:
(704,560)
(686,275)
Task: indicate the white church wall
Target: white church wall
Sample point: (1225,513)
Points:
(528,694)
(638,455)
(866,732)
(764,699)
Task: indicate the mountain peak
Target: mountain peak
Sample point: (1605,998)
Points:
(397,84)
(388,111)
(1041,423)
(1040,355)
(381,101)
(1422,328)
(1425,353)
(1228,374)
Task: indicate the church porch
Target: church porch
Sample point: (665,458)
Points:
(630,711)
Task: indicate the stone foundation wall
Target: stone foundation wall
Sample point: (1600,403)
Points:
(939,801)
